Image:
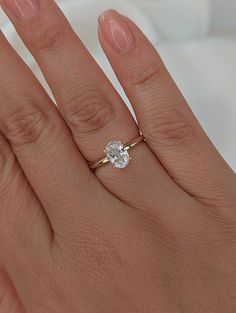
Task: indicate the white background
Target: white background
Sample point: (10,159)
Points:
(197,40)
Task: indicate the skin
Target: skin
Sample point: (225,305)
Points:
(158,236)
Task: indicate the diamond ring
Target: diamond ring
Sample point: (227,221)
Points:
(117,154)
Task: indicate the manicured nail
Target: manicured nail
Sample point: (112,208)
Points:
(116,31)
(22,9)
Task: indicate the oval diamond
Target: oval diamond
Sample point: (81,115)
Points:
(117,155)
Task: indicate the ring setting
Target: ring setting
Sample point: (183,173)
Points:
(117,154)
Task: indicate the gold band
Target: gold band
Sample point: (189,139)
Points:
(128,146)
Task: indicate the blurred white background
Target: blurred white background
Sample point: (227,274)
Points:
(196,39)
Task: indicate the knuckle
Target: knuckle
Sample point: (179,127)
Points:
(100,252)
(217,235)
(93,245)
(16,221)
(25,125)
(222,219)
(169,128)
(223,200)
(87,112)
(144,74)
(48,39)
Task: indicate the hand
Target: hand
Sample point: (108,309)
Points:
(157,236)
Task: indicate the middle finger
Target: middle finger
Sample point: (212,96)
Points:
(92,108)
(41,141)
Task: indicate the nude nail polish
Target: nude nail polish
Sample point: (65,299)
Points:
(22,9)
(116,31)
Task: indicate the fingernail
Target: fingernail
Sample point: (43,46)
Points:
(22,9)
(116,31)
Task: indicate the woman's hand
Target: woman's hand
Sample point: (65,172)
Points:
(158,236)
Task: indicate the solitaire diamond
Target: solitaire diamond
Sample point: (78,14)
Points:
(117,155)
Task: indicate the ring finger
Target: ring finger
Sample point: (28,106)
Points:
(92,108)
(166,120)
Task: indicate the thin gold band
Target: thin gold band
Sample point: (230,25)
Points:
(128,146)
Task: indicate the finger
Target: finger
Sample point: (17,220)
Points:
(41,141)
(28,247)
(25,232)
(167,122)
(90,105)
(22,216)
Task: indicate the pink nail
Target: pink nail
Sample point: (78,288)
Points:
(22,9)
(116,31)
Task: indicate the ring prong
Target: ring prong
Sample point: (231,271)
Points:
(121,151)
